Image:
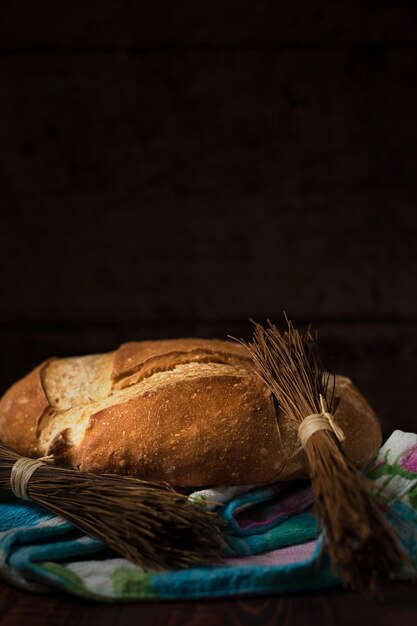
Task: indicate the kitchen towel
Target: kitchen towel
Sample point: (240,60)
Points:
(273,542)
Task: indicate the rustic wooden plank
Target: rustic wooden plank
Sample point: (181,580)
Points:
(177,186)
(381,359)
(125,24)
(396,606)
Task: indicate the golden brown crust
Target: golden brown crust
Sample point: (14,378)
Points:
(21,409)
(192,432)
(189,411)
(144,358)
(359,423)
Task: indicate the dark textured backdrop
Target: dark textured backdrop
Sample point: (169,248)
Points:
(173,168)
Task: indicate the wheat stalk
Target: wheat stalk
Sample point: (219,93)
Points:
(362,547)
(148,523)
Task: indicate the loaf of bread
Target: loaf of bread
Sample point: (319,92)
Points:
(191,412)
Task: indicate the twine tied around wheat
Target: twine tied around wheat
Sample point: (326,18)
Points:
(319,421)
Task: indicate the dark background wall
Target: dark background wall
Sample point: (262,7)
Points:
(172,168)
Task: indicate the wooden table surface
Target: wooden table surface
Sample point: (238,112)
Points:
(397,604)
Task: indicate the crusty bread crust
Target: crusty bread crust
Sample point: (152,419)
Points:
(144,358)
(189,411)
(21,409)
